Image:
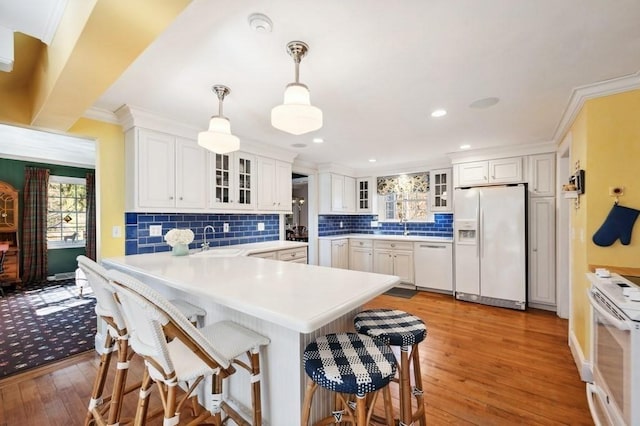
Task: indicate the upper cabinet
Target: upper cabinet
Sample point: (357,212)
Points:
(542,175)
(440,191)
(232,180)
(274,185)
(164,171)
(504,170)
(365,195)
(337,193)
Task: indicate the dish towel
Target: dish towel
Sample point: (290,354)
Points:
(618,224)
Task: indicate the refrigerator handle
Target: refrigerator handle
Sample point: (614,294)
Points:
(480,236)
(477,232)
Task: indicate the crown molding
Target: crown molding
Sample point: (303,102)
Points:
(502,152)
(101,114)
(130,116)
(581,94)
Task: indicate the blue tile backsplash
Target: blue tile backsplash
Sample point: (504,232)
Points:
(242,229)
(358,224)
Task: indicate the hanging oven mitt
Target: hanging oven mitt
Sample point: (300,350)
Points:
(618,224)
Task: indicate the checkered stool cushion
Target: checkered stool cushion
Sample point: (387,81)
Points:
(349,363)
(394,327)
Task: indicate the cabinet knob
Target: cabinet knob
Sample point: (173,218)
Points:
(484,177)
(181,198)
(274,203)
(393,245)
(493,177)
(171,198)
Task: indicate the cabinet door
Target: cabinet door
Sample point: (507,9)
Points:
(364,190)
(349,195)
(337,193)
(156,169)
(383,262)
(542,175)
(440,191)
(340,254)
(505,170)
(283,186)
(473,173)
(266,184)
(191,182)
(221,180)
(542,276)
(361,259)
(244,182)
(403,265)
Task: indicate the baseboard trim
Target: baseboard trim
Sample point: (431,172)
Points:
(584,367)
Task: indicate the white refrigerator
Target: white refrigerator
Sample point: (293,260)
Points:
(490,237)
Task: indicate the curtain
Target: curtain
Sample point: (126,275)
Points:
(90,249)
(406,183)
(34,225)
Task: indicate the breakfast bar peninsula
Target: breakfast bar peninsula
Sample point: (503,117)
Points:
(291,303)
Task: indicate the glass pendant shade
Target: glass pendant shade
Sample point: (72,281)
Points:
(219,138)
(296,116)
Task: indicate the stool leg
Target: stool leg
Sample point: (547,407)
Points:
(120,381)
(255,386)
(361,410)
(405,387)
(143,399)
(388,406)
(101,377)
(308,398)
(419,391)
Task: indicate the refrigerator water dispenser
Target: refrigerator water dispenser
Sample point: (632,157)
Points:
(466,231)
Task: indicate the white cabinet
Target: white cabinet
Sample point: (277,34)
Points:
(164,171)
(296,255)
(340,253)
(542,279)
(232,180)
(503,170)
(365,194)
(542,175)
(440,190)
(394,258)
(274,185)
(337,193)
(434,266)
(360,255)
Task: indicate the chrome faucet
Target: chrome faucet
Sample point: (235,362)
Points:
(406,231)
(205,244)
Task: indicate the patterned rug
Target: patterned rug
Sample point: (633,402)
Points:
(44,323)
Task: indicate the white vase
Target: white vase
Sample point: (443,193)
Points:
(180,250)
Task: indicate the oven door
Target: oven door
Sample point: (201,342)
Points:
(611,362)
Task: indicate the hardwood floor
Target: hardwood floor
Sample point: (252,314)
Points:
(480,365)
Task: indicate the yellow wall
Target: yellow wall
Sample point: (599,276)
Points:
(109,181)
(606,141)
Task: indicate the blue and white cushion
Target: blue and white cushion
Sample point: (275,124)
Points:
(349,363)
(394,327)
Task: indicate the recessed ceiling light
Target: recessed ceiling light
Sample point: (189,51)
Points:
(318,140)
(484,103)
(439,113)
(372,160)
(465,146)
(260,23)
(299,145)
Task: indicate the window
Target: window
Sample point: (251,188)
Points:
(67,212)
(404,197)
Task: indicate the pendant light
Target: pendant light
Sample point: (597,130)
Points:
(219,138)
(296,116)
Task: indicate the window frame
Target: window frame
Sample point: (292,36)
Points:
(56,245)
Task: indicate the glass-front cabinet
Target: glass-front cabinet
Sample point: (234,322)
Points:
(364,194)
(232,180)
(440,190)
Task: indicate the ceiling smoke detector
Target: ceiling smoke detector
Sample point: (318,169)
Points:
(260,23)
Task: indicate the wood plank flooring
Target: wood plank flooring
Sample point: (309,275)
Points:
(480,366)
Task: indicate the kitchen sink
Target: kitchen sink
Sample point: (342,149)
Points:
(223,252)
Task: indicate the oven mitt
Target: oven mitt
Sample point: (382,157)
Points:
(618,224)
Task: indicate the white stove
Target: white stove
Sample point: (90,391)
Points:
(622,291)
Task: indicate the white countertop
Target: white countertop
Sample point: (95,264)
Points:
(261,247)
(297,296)
(416,238)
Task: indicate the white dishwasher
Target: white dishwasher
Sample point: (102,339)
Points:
(434,266)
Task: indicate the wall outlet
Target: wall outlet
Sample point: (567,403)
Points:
(225,227)
(374,224)
(260,226)
(341,224)
(155,230)
(116,231)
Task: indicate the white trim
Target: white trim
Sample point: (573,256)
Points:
(101,114)
(53,22)
(501,152)
(67,179)
(584,367)
(590,91)
(563,227)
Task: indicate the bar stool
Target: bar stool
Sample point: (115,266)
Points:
(352,364)
(176,352)
(117,336)
(399,328)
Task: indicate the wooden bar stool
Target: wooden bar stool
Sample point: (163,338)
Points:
(399,328)
(106,410)
(349,364)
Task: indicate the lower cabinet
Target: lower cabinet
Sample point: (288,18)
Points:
(361,255)
(340,253)
(297,255)
(542,253)
(394,258)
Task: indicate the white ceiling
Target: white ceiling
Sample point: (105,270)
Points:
(37,18)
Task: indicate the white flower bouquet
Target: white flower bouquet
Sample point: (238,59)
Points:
(179,236)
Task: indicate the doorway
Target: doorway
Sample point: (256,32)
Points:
(297,223)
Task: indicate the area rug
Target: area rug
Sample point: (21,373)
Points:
(405,293)
(44,323)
